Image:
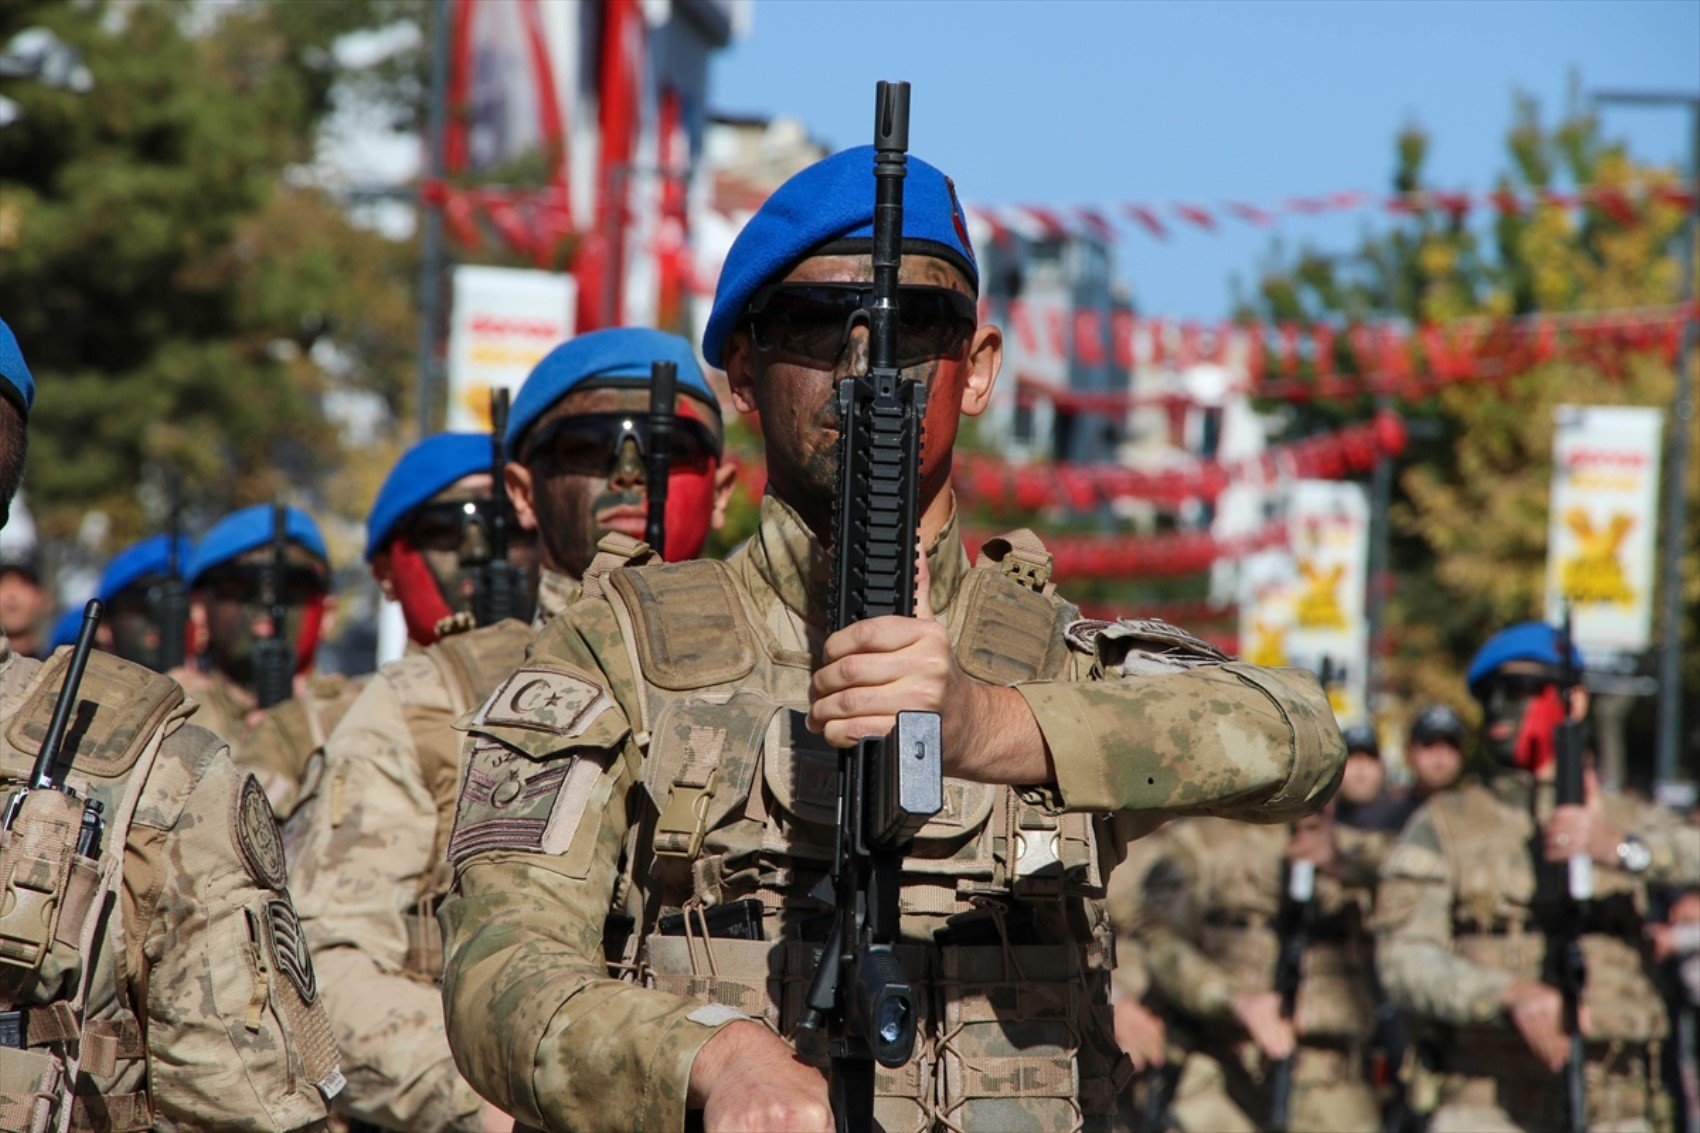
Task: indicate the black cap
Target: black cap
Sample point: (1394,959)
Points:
(1435,723)
(1361,737)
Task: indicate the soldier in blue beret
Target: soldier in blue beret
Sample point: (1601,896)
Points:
(131,586)
(647,808)
(1464,912)
(227,577)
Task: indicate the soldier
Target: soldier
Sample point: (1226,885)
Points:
(226,581)
(655,787)
(370,869)
(1462,920)
(1212,941)
(129,586)
(165,982)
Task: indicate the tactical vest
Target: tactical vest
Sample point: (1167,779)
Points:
(741,807)
(284,751)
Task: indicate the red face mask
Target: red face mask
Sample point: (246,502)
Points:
(312,625)
(1536,747)
(417,591)
(690,508)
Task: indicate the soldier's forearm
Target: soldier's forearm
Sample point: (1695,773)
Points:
(1424,977)
(1232,740)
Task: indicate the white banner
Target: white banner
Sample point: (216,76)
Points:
(1602,530)
(1328,532)
(1267,593)
(505,320)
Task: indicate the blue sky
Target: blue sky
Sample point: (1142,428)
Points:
(1081,101)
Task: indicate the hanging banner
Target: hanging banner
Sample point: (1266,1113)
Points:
(1602,529)
(1266,596)
(504,321)
(1328,531)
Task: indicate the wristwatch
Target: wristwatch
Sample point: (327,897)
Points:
(1633,856)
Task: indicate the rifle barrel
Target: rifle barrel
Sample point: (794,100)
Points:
(41,776)
(663,387)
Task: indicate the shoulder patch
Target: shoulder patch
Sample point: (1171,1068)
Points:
(257,836)
(119,707)
(510,802)
(561,703)
(1009,633)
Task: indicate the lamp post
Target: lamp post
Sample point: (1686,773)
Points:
(1669,735)
(431,257)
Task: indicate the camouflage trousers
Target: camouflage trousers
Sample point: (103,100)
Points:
(1622,1084)
(1218,1093)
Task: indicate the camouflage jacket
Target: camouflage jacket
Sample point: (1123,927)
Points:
(593,797)
(367,867)
(1461,913)
(1211,931)
(196,1005)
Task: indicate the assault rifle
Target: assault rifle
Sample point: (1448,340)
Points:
(498,589)
(663,383)
(1566,966)
(171,600)
(1298,907)
(274,655)
(888,786)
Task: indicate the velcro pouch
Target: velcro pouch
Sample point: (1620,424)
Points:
(701,765)
(29,1090)
(36,856)
(119,708)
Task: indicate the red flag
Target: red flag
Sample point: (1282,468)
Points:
(1197,216)
(1148,219)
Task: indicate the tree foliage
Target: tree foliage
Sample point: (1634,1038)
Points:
(186,295)
(1470,513)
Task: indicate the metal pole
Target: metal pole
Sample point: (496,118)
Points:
(1668,751)
(1380,565)
(432,252)
(1668,745)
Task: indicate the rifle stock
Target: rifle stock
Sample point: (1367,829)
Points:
(1564,948)
(663,386)
(889,786)
(1297,907)
(274,655)
(498,589)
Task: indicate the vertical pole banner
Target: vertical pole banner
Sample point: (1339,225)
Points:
(1602,530)
(1328,532)
(1267,595)
(505,320)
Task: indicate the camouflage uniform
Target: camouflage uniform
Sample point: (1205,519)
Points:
(367,867)
(199,1009)
(1460,919)
(650,758)
(1211,936)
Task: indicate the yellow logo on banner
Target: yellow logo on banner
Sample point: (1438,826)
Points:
(1594,574)
(1319,604)
(1268,645)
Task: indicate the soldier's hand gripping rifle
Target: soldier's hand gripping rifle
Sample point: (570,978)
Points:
(274,655)
(171,599)
(1566,967)
(498,589)
(887,787)
(663,385)
(1298,907)
(41,810)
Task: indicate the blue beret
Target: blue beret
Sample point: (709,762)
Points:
(243,531)
(615,356)
(830,201)
(423,471)
(1525,641)
(65,628)
(150,556)
(18,385)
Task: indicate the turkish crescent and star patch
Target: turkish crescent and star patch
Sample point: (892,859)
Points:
(257,835)
(544,700)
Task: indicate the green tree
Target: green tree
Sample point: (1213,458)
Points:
(1470,511)
(185,295)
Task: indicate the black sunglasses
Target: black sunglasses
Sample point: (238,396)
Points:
(1519,686)
(590,443)
(246,583)
(442,526)
(813,320)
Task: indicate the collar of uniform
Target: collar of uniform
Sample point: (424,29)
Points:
(555,592)
(792,562)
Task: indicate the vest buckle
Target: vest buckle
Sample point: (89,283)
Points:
(684,820)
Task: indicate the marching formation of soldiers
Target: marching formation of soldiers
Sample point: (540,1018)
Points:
(567,862)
